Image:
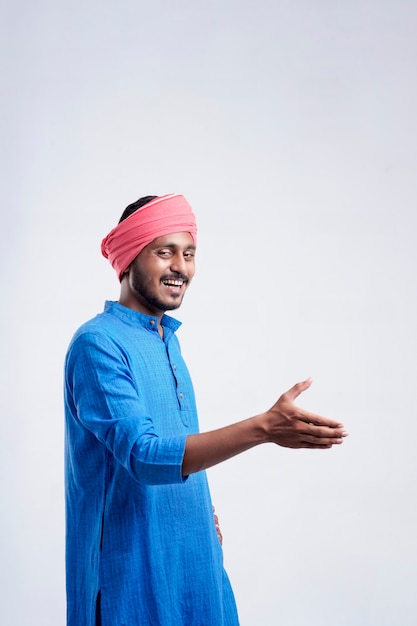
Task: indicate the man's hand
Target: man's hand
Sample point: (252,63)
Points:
(292,427)
(284,424)
(216,523)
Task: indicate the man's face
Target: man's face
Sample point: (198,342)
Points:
(161,273)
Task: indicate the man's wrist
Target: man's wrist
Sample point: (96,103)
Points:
(260,428)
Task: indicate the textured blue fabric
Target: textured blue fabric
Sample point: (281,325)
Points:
(141,540)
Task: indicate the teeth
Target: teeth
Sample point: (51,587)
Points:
(175,283)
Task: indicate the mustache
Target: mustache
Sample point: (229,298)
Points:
(175,276)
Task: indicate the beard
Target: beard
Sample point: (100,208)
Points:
(146,293)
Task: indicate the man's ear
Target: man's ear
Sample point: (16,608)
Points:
(125,273)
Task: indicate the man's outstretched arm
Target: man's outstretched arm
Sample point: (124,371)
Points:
(284,424)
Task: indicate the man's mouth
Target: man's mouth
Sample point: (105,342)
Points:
(174,283)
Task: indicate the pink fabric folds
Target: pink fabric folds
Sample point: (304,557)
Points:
(162,216)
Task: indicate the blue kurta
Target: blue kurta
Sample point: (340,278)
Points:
(141,540)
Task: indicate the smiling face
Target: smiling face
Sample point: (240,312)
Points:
(157,279)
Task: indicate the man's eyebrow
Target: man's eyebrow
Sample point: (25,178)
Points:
(173,246)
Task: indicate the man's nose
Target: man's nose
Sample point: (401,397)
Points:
(178,264)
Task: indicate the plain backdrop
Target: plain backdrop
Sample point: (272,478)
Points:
(291,129)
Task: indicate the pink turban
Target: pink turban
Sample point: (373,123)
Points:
(164,215)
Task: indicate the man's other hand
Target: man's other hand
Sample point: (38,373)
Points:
(291,427)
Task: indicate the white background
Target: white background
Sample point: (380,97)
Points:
(291,128)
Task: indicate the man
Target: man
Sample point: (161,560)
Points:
(142,544)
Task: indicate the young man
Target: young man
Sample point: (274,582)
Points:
(142,543)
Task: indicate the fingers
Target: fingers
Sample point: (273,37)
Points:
(307,416)
(299,434)
(315,446)
(298,389)
(317,420)
(317,426)
(307,441)
(321,434)
(292,427)
(216,523)
(319,444)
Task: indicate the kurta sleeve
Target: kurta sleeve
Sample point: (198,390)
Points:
(106,403)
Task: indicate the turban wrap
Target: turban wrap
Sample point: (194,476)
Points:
(164,215)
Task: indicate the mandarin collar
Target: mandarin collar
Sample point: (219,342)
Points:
(137,318)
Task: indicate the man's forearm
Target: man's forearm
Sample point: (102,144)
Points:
(207,449)
(284,424)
